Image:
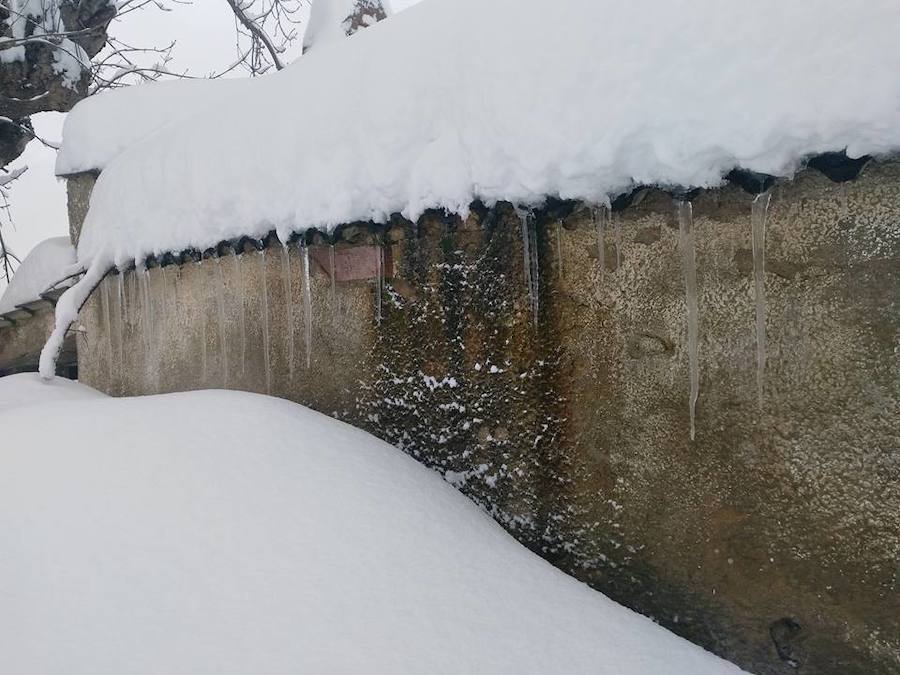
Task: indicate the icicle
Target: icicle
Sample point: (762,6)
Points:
(265,302)
(331,272)
(689,263)
(617,234)
(122,319)
(758,214)
(146,310)
(289,303)
(243,323)
(379,281)
(530,261)
(120,291)
(107,324)
(600,217)
(559,251)
(220,301)
(166,301)
(307,306)
(204,289)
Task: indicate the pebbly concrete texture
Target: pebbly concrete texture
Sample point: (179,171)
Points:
(771,539)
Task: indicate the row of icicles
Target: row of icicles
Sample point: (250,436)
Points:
(141,305)
(684,214)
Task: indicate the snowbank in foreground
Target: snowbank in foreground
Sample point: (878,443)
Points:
(20,391)
(221,533)
(47,263)
(508,99)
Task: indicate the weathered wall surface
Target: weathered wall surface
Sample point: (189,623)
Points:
(20,345)
(772,538)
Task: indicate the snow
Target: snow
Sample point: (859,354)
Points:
(25,390)
(46,264)
(453,99)
(224,532)
(31,21)
(326,22)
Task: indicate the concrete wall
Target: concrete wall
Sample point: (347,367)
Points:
(772,538)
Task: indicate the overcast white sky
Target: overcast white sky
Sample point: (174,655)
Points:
(204,32)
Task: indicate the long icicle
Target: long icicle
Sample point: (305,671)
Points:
(204,295)
(242,320)
(379,281)
(617,234)
(530,263)
(123,322)
(107,325)
(758,215)
(265,303)
(289,304)
(689,264)
(220,301)
(601,214)
(307,306)
(332,273)
(559,249)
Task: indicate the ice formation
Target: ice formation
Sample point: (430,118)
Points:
(623,102)
(758,215)
(689,266)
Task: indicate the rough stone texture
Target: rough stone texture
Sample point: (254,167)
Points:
(79,187)
(20,345)
(772,539)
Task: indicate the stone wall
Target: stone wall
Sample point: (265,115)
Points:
(771,539)
(21,344)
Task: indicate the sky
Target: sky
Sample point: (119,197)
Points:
(204,35)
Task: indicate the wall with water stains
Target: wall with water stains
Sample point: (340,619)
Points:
(772,538)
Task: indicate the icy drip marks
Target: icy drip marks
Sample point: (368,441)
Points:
(685,214)
(220,302)
(530,262)
(307,306)
(264,282)
(289,305)
(601,216)
(758,214)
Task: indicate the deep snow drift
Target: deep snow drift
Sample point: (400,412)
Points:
(508,99)
(219,533)
(47,263)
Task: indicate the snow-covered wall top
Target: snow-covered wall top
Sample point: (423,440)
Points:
(510,99)
(47,263)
